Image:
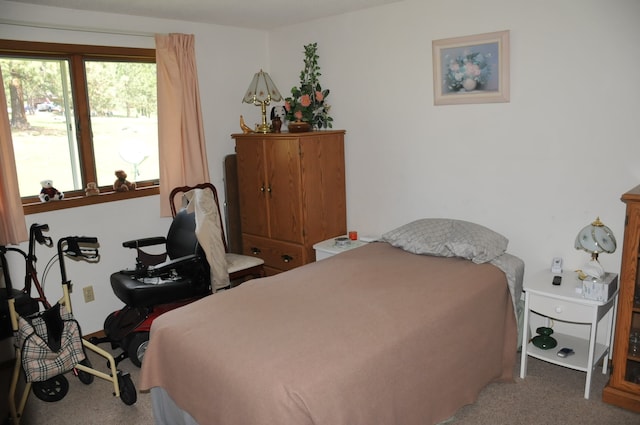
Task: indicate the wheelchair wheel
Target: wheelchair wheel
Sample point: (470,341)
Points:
(137,347)
(53,389)
(128,393)
(85,377)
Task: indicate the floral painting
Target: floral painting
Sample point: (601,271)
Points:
(471,69)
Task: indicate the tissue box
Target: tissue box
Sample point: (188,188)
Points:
(600,290)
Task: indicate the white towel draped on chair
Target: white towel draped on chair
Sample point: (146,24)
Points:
(209,233)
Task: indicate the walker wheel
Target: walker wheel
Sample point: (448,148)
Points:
(53,389)
(85,377)
(128,393)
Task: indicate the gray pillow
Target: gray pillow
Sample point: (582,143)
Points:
(448,238)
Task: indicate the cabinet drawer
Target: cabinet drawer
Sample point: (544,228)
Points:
(279,255)
(560,309)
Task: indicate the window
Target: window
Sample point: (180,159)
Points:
(79,113)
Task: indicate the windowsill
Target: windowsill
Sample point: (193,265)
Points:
(80,201)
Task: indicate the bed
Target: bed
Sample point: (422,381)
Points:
(401,331)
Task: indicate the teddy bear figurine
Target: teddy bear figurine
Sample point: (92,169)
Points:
(122,184)
(48,192)
(92,189)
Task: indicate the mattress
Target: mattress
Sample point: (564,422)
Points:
(375,335)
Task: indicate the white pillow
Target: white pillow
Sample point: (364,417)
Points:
(448,238)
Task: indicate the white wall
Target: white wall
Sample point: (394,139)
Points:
(536,169)
(225,70)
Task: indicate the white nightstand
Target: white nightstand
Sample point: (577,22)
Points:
(329,248)
(564,303)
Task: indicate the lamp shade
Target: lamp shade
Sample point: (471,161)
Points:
(262,89)
(596,238)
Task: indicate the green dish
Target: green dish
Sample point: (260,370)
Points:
(544,342)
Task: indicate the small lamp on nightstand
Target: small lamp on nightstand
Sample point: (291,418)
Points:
(595,238)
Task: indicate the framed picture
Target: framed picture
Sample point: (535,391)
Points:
(471,69)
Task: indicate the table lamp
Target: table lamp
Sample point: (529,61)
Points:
(595,238)
(261,92)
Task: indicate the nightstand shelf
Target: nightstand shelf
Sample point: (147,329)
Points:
(565,304)
(577,361)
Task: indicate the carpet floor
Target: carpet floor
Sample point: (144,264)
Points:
(548,395)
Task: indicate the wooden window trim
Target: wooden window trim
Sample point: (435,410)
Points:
(77,53)
(81,201)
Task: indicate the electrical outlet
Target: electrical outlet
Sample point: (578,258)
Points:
(88,294)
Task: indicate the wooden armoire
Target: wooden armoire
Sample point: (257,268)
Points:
(623,388)
(292,194)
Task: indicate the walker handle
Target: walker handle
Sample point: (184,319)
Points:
(37,230)
(74,249)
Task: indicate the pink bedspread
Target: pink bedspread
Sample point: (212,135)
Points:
(373,336)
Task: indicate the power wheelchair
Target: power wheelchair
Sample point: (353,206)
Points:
(163,282)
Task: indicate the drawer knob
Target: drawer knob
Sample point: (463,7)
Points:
(559,309)
(287,258)
(255,251)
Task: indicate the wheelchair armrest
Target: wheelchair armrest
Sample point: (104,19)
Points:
(167,266)
(139,243)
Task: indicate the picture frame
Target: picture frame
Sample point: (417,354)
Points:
(471,69)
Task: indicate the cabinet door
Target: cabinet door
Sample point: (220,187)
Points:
(623,388)
(323,187)
(629,319)
(252,181)
(283,191)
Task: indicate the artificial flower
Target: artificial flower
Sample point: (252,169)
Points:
(307,102)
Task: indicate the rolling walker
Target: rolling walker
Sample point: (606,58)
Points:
(49,343)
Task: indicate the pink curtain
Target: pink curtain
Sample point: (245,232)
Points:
(183,154)
(13,227)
